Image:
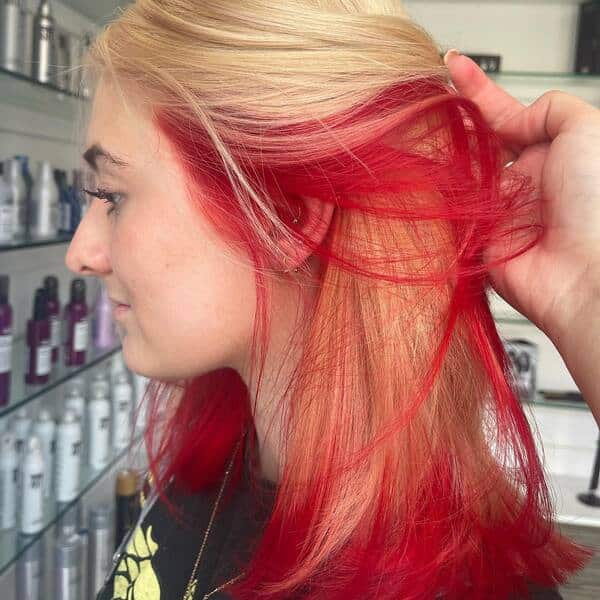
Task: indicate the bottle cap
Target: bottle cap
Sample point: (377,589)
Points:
(4,288)
(69,416)
(127,482)
(40,305)
(44,415)
(51,287)
(78,290)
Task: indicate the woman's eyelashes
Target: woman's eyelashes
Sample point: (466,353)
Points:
(112,198)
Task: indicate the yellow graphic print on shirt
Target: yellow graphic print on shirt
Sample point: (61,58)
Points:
(135,578)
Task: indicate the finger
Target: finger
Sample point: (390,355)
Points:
(470,81)
(517,125)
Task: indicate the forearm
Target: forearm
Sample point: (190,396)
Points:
(577,338)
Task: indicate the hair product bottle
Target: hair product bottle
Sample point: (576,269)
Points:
(98,430)
(100,547)
(104,335)
(21,426)
(31,513)
(44,428)
(30,572)
(27,177)
(14,178)
(9,465)
(44,48)
(67,571)
(6,340)
(122,401)
(51,287)
(68,457)
(75,401)
(38,341)
(141,384)
(7,209)
(100,382)
(11,55)
(127,503)
(76,325)
(44,203)
(64,203)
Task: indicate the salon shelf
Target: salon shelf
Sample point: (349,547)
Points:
(569,400)
(27,242)
(26,92)
(13,544)
(22,394)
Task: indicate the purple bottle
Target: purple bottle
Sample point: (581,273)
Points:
(104,335)
(6,318)
(51,287)
(38,341)
(76,325)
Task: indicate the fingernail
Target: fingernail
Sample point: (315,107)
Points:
(450,53)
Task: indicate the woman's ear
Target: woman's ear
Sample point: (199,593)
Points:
(314,219)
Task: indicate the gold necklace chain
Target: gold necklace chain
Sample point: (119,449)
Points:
(189,592)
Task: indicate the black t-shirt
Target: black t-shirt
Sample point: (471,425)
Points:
(161,551)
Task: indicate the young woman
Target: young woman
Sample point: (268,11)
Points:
(304,220)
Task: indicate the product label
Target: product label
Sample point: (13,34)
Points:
(44,359)
(80,341)
(5,352)
(54,331)
(7,222)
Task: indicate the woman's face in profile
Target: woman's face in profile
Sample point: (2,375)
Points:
(191,305)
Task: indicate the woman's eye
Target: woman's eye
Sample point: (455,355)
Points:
(112,198)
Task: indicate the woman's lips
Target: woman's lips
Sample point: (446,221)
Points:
(120,309)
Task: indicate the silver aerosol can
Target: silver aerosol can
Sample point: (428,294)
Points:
(30,572)
(14,178)
(7,209)
(67,570)
(98,430)
(44,48)
(31,513)
(44,203)
(100,547)
(122,402)
(44,427)
(9,469)
(68,457)
(11,44)
(27,19)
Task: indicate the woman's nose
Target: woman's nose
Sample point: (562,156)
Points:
(89,250)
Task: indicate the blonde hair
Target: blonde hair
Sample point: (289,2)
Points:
(391,486)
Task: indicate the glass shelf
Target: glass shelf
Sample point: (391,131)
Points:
(25,92)
(552,78)
(568,401)
(22,393)
(515,320)
(13,544)
(27,242)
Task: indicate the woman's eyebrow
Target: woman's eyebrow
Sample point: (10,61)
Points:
(95,152)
